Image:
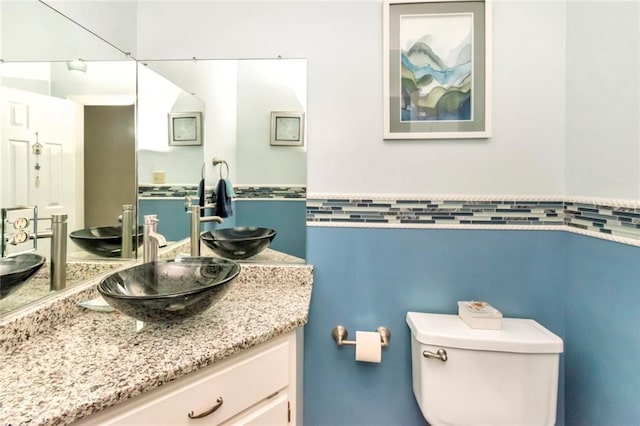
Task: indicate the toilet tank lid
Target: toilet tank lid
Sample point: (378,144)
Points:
(517,335)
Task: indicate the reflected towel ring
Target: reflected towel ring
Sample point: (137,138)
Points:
(227,166)
(215,161)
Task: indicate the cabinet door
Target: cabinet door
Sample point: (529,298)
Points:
(273,412)
(233,389)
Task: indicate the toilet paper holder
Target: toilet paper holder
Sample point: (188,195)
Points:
(340,335)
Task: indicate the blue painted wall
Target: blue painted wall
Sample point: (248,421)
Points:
(173,220)
(603,327)
(364,278)
(287,217)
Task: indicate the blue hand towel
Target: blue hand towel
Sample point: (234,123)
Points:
(201,196)
(230,192)
(223,201)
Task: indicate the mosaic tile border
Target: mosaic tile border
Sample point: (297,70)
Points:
(271,192)
(241,191)
(622,222)
(167,191)
(616,220)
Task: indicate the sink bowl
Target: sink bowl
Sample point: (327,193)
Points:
(169,290)
(105,241)
(240,242)
(15,270)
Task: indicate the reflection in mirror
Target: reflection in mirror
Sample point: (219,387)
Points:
(49,141)
(238,97)
(84,122)
(166,173)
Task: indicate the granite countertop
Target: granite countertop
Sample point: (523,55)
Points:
(61,362)
(37,286)
(268,255)
(81,264)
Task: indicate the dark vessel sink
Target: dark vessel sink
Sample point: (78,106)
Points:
(105,241)
(169,290)
(16,270)
(240,242)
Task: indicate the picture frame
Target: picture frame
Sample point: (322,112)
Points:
(287,128)
(185,128)
(437,69)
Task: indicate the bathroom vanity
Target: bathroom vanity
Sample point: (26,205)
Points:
(257,386)
(62,363)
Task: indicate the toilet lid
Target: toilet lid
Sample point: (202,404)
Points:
(516,335)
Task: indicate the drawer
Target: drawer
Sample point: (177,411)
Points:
(239,385)
(273,412)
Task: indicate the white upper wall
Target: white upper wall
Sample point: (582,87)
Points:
(263,87)
(342,41)
(32,31)
(157,97)
(121,29)
(546,137)
(603,106)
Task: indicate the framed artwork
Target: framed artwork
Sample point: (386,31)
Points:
(436,69)
(287,128)
(185,128)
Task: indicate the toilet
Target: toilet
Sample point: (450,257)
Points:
(466,376)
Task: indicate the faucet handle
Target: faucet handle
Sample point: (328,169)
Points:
(151,219)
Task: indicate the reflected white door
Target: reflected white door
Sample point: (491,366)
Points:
(48,178)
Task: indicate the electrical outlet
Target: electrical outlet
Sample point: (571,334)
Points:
(158,178)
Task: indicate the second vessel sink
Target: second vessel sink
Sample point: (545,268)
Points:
(17,269)
(169,290)
(105,241)
(240,242)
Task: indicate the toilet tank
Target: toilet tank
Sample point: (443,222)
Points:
(490,377)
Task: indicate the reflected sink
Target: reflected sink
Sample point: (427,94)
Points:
(239,242)
(16,270)
(105,241)
(169,290)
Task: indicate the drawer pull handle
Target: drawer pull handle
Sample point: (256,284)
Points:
(209,411)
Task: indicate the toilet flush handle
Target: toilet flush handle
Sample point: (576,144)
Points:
(441,355)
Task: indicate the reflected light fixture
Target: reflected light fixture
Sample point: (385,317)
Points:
(77,65)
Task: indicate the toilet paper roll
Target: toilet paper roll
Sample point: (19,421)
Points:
(368,347)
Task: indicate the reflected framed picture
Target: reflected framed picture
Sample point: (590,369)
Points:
(287,128)
(185,128)
(436,69)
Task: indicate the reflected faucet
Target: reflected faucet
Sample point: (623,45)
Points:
(196,220)
(126,249)
(58,264)
(57,233)
(152,240)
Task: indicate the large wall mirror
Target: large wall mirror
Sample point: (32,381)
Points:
(67,127)
(81,111)
(86,114)
(235,100)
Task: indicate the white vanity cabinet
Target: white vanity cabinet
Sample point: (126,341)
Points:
(259,386)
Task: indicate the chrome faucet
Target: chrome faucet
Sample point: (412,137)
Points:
(126,249)
(196,220)
(58,264)
(152,240)
(57,233)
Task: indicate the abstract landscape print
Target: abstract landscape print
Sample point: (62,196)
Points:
(436,67)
